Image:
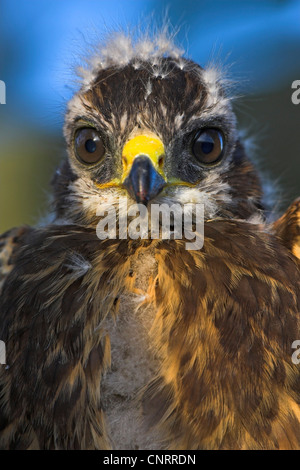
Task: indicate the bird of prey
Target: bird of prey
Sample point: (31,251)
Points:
(137,342)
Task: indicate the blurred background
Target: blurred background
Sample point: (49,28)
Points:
(40,41)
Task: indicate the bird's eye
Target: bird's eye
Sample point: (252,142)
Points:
(208,145)
(89,146)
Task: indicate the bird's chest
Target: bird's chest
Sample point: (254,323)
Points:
(133,362)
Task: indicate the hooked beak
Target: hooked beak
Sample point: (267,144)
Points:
(143,176)
(143,182)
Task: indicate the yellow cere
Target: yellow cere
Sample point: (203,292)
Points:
(143,145)
(150,146)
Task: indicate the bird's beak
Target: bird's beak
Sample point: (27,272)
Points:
(143,175)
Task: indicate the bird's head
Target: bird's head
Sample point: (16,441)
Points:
(153,127)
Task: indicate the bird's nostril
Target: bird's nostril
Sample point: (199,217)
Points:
(125,162)
(161,161)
